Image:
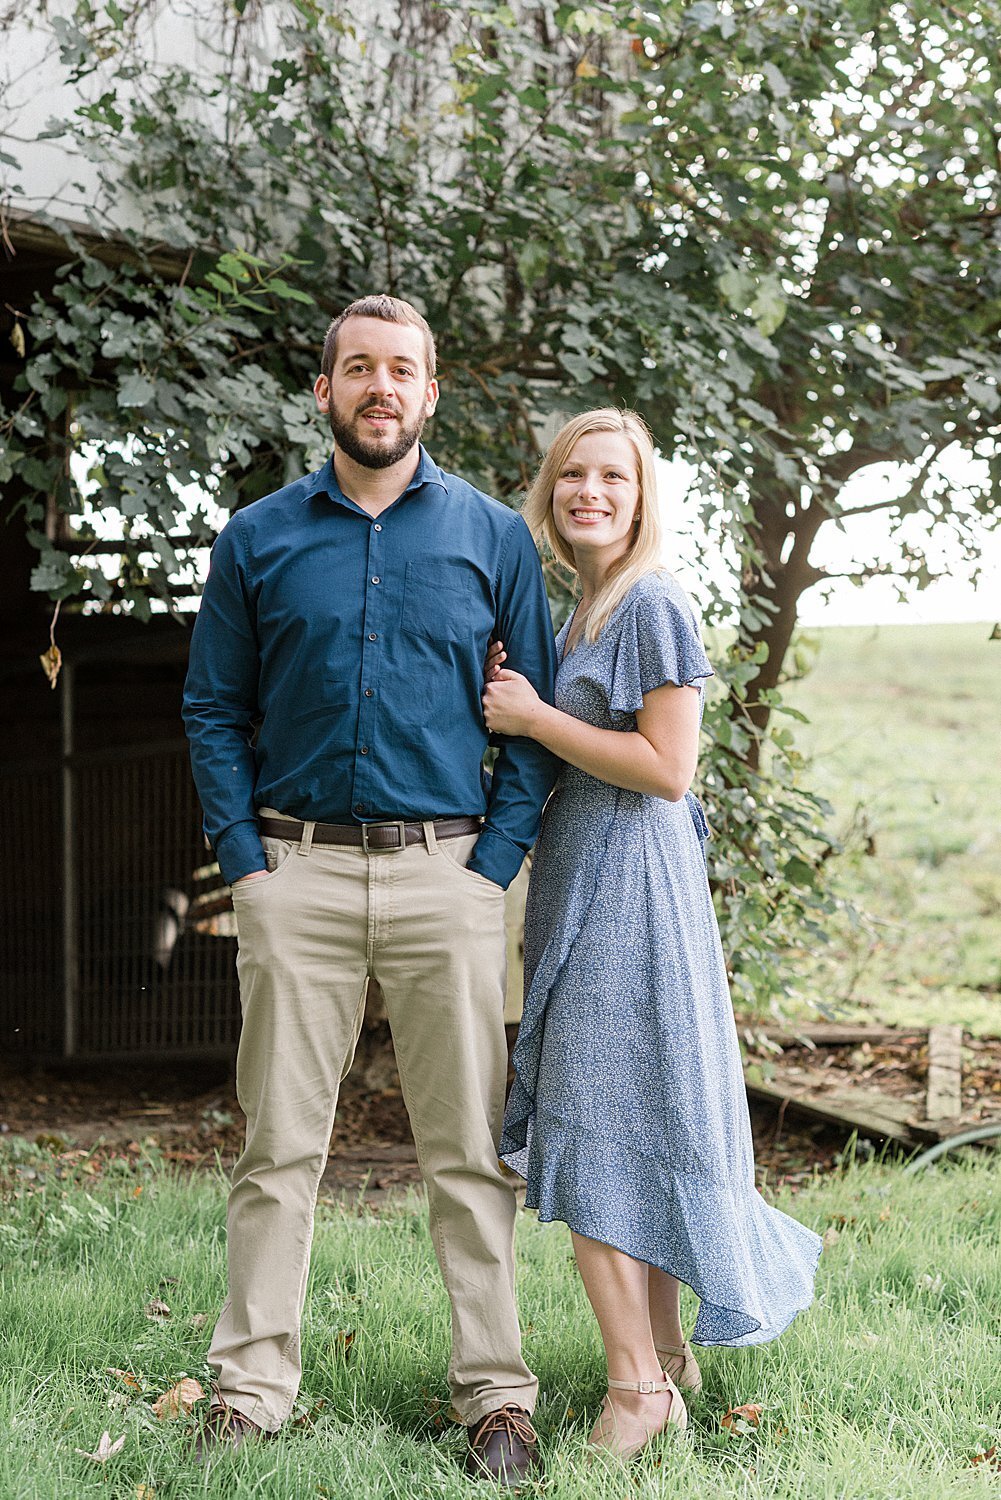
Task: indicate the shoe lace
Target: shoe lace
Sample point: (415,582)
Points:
(228,1416)
(512,1420)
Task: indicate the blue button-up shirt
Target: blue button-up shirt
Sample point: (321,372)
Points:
(356,647)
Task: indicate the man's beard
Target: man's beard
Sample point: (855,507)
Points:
(374,453)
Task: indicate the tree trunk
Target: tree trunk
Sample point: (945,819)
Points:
(776,587)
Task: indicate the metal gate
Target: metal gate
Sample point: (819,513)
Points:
(115,938)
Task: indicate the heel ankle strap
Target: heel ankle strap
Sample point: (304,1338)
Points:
(673,1349)
(645,1387)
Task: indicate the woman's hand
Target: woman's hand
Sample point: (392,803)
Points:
(496,657)
(510,703)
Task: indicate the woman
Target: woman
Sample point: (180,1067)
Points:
(628,1115)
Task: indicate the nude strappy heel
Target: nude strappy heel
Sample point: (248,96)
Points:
(606,1427)
(680,1365)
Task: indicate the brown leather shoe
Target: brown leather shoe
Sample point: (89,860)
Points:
(224,1430)
(502,1446)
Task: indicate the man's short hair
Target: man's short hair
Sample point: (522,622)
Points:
(390,310)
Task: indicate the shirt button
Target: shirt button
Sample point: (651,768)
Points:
(377,526)
(359,807)
(376,579)
(368,693)
(364,749)
(372,636)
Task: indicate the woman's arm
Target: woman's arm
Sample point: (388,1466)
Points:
(658,758)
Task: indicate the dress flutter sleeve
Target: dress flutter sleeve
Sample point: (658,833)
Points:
(658,643)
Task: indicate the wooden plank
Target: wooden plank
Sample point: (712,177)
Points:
(945,1072)
(870,1114)
(833,1035)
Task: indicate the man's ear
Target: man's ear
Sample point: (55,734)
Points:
(431,399)
(321,390)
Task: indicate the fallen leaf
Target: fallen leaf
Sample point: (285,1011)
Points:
(158,1311)
(732,1419)
(198,1320)
(343,1340)
(305,1417)
(129,1381)
(988,1456)
(51,661)
(145,1492)
(831,1237)
(105,1449)
(137,1190)
(178,1400)
(432,1406)
(585,69)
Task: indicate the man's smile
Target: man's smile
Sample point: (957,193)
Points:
(379,416)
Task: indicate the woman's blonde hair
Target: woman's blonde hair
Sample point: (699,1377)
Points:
(644,555)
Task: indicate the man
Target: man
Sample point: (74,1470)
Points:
(349,614)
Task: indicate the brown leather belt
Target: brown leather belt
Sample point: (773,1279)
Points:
(369,836)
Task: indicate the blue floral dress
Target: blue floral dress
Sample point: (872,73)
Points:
(628,1115)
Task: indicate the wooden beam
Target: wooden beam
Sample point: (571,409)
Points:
(30,237)
(945,1072)
(831,1034)
(868,1113)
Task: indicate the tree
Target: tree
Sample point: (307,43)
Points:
(834,169)
(707,214)
(773,228)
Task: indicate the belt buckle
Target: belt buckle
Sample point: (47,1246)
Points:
(367,848)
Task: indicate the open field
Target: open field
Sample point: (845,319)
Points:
(905,740)
(887,1389)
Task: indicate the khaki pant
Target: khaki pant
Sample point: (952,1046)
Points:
(312,931)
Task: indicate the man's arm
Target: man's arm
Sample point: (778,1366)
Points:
(220,699)
(524,772)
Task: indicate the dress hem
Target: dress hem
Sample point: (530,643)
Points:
(749,1340)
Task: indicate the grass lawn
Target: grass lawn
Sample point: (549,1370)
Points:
(889,1387)
(905,741)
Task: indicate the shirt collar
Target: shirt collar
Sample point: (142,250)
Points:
(325,479)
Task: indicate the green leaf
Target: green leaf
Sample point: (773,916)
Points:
(52,574)
(798,872)
(776,81)
(289,293)
(533,261)
(702,14)
(135,390)
(233,266)
(736,285)
(768,308)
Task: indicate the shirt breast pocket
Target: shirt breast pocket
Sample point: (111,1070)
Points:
(436,601)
